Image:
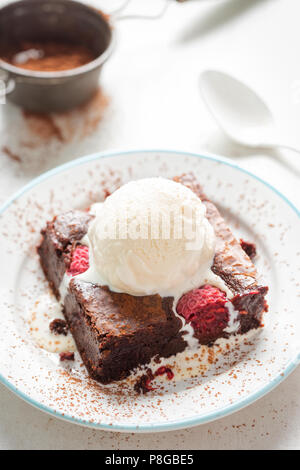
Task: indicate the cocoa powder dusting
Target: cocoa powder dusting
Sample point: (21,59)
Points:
(37,136)
(10,154)
(43,125)
(62,126)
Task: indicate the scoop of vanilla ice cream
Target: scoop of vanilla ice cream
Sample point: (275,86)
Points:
(151,236)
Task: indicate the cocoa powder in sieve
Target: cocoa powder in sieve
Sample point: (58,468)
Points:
(48,56)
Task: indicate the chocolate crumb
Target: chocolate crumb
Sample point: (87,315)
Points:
(249,248)
(59,327)
(143,384)
(106,193)
(66,356)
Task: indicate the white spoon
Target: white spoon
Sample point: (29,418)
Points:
(240,112)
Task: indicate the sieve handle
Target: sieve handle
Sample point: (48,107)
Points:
(117,14)
(9,84)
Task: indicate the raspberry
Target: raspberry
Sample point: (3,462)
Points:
(66,356)
(165,370)
(204,308)
(80,261)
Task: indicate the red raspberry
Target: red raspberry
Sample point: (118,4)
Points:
(80,261)
(205,310)
(66,356)
(165,370)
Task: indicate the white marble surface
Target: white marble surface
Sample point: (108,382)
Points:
(152,85)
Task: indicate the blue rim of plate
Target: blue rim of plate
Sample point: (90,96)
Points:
(171,425)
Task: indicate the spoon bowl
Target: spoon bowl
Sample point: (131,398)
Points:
(240,112)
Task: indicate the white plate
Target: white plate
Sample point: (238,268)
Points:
(254,210)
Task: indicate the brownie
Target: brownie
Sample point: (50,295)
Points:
(116,332)
(58,239)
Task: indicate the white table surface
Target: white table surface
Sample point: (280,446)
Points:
(152,84)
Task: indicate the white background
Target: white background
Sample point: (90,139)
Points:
(152,82)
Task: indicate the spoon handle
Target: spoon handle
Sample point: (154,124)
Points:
(277,144)
(289,147)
